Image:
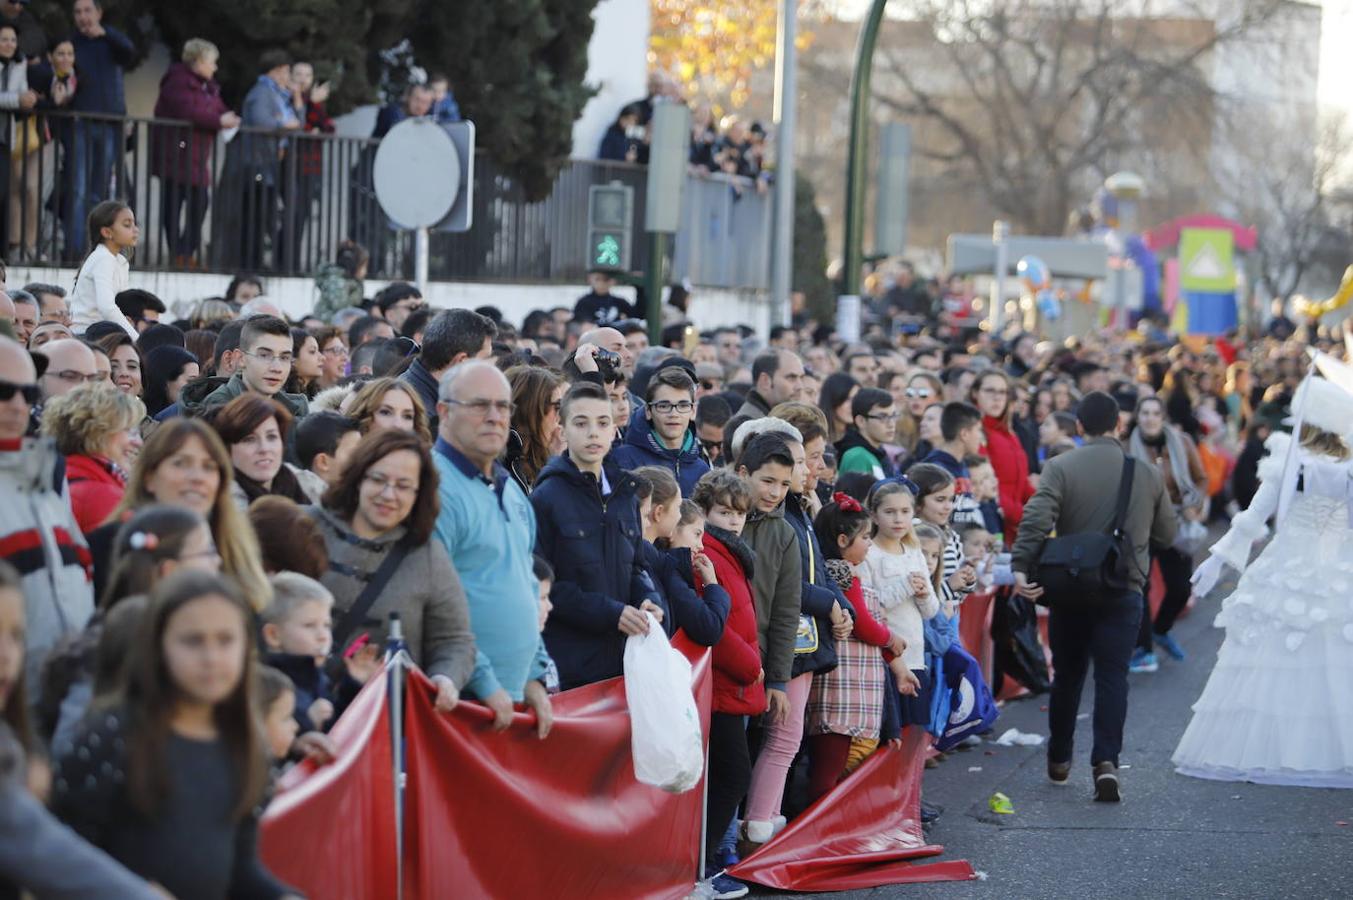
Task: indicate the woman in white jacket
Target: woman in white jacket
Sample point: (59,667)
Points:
(1277,708)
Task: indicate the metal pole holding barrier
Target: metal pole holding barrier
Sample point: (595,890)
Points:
(394,661)
(999,232)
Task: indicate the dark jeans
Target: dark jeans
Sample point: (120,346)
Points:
(1175,569)
(90,169)
(183,227)
(1102,631)
(729,775)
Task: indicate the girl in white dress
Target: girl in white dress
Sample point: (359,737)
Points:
(1278,707)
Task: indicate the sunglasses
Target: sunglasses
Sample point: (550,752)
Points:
(8,389)
(919,393)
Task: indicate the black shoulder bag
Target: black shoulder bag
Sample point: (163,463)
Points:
(1090,566)
(356,614)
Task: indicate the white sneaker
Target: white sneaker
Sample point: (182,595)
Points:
(777,825)
(759,832)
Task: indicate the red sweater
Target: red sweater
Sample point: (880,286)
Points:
(94,490)
(737,656)
(1012,472)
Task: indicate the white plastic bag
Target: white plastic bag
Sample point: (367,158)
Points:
(1190,537)
(665,724)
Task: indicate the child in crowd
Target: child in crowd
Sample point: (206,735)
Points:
(276,699)
(13,697)
(986,490)
(671,572)
(767,462)
(975,542)
(895,570)
(298,634)
(935,504)
(1056,435)
(324,440)
(588,530)
(182,756)
(105,273)
(739,678)
(845,705)
(544,573)
(690,531)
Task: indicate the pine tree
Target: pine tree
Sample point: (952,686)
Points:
(810,251)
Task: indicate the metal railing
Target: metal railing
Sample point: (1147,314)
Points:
(279,203)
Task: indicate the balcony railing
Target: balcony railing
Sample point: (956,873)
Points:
(279,203)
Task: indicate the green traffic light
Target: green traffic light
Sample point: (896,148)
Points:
(607,252)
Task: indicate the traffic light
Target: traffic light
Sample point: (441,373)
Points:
(610,214)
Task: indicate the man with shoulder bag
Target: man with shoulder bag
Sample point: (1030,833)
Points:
(1105,509)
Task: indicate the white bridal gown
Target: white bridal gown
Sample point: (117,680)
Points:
(1278,708)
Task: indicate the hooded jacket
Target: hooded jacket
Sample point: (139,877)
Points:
(701,614)
(737,656)
(182,153)
(41,539)
(642,448)
(594,542)
(96,488)
(778,586)
(855,454)
(820,592)
(193,397)
(296,404)
(1012,471)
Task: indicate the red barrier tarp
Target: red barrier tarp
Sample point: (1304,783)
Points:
(330,832)
(865,833)
(505,814)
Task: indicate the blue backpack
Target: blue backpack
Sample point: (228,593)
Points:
(969,707)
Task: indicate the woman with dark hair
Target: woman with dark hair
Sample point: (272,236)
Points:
(306,364)
(125,362)
(290,538)
(389,403)
(377,523)
(168,369)
(993,394)
(254,430)
(1170,449)
(170,780)
(838,389)
(536,433)
(333,351)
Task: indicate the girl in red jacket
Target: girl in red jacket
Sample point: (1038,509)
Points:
(739,689)
(993,394)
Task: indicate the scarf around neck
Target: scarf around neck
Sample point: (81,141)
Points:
(1189,495)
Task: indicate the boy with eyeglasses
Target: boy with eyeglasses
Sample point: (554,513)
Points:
(265,364)
(662,431)
(874,418)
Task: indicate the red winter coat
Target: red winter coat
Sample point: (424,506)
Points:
(95,491)
(737,656)
(177,152)
(1012,472)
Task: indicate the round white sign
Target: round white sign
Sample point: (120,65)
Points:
(416,173)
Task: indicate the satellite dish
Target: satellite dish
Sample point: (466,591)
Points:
(417,173)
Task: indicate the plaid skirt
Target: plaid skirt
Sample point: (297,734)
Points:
(849,699)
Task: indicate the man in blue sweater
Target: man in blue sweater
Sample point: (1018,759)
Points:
(100,56)
(489,530)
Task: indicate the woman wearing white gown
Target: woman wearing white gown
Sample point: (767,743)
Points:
(1278,707)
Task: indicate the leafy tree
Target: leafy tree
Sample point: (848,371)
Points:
(810,251)
(517,68)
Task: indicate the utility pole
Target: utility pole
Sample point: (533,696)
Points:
(857,163)
(786,101)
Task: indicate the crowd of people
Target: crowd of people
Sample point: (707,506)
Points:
(727,145)
(221,512)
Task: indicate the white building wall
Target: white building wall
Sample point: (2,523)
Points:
(617,67)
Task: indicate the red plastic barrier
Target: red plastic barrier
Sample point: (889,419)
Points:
(331,831)
(865,833)
(507,815)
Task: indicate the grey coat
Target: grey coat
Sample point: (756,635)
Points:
(1077,494)
(425,591)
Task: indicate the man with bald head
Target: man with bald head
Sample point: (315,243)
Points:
(46,332)
(610,339)
(38,536)
(489,529)
(6,315)
(70,363)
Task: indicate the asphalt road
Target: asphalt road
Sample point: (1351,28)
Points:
(1170,837)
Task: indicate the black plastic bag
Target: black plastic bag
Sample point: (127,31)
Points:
(1018,650)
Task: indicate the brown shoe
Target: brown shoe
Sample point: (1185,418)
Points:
(1058,772)
(1106,783)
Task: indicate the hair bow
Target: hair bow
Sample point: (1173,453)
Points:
(144,540)
(846,503)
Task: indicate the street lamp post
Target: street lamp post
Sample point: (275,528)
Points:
(853,255)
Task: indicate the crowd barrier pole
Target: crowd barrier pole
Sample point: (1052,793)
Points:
(396,659)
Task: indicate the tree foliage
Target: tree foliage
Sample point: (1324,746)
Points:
(714,47)
(810,251)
